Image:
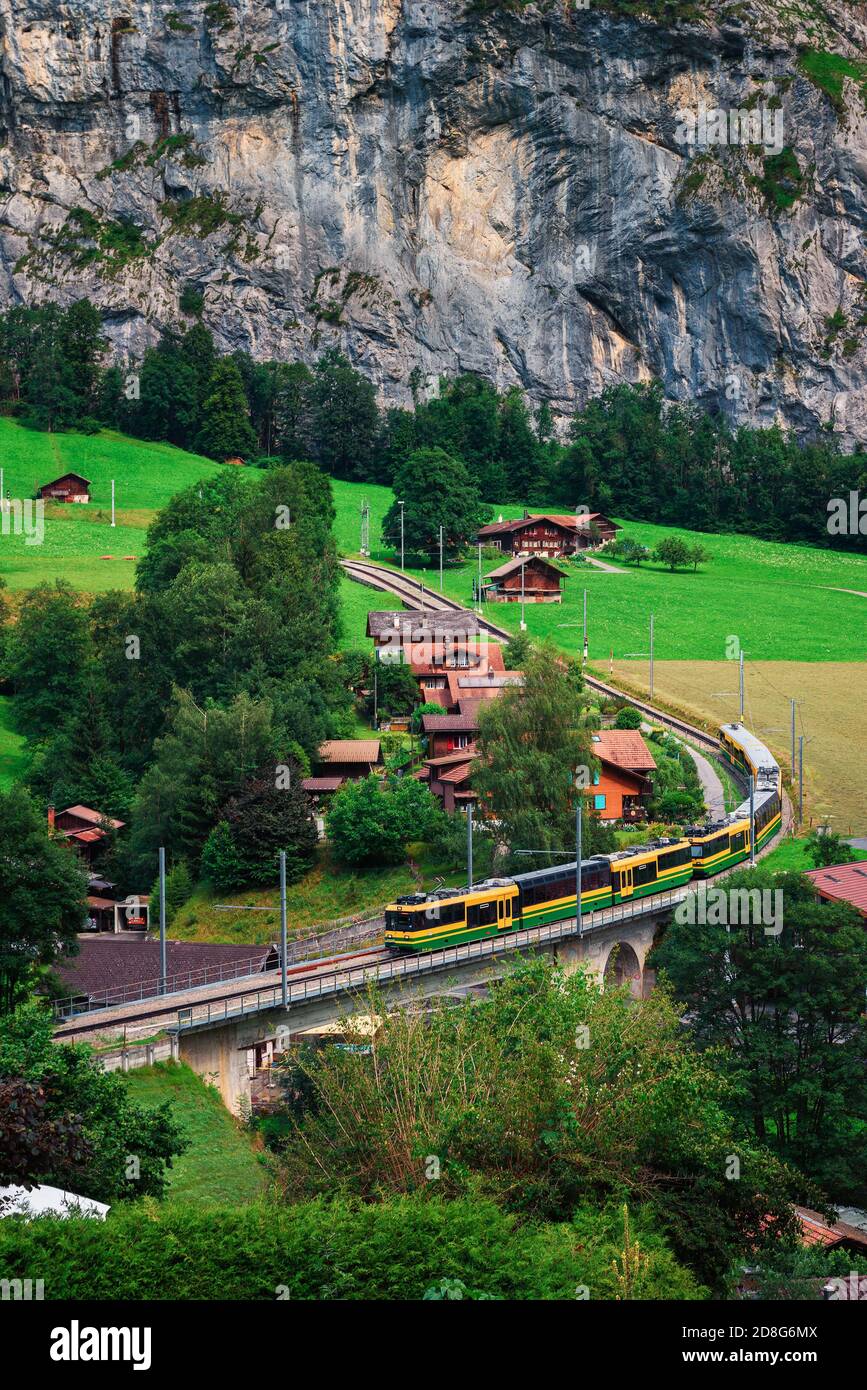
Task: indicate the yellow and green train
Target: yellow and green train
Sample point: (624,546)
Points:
(450,916)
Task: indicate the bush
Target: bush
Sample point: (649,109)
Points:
(628,718)
(340,1250)
(371,822)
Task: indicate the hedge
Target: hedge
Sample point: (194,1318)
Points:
(331,1250)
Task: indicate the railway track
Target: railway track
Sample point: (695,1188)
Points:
(150,1010)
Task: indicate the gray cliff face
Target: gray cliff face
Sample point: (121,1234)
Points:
(435,189)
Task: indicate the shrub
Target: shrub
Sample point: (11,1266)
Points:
(340,1250)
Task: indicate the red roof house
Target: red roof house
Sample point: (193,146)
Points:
(842,883)
(622,788)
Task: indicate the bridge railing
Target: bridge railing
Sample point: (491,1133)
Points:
(404,967)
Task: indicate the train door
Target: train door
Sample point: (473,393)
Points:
(626,883)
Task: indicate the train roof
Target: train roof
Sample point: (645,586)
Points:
(755,750)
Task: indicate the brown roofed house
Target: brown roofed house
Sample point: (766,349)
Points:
(69,487)
(549,533)
(344,759)
(531,580)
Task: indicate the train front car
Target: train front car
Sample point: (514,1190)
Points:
(450,916)
(749,757)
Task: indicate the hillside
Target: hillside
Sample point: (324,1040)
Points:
(517,188)
(77,537)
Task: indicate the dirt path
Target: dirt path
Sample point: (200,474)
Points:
(603,565)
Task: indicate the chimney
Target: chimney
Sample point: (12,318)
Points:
(51,818)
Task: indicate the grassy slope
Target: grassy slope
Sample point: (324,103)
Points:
(792,855)
(146,476)
(13,758)
(742,592)
(220,1167)
(326,895)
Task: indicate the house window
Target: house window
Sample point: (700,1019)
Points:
(599,801)
(596,777)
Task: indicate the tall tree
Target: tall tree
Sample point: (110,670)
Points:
(345,418)
(225,430)
(784,1003)
(436,491)
(48,655)
(534,740)
(43,892)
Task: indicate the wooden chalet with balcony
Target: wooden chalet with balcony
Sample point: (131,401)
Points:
(549,533)
(531,580)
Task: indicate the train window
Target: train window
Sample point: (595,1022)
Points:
(482,914)
(645,873)
(737,841)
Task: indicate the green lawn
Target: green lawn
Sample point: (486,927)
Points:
(13,757)
(146,476)
(791,855)
(220,1168)
(777,600)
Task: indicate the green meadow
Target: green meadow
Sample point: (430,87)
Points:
(780,602)
(219,1166)
(78,538)
(13,758)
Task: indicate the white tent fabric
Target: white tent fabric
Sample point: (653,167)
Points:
(18,1201)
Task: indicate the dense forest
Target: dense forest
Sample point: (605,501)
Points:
(629,451)
(170,707)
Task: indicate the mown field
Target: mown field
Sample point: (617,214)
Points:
(831,699)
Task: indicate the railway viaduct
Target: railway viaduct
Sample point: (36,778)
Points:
(215,1039)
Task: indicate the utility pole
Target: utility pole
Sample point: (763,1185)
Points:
(469,845)
(801,780)
(480,576)
(741,683)
(284,983)
(651,656)
(375,693)
(162,920)
(523,623)
(441,559)
(752,819)
(112,501)
(400,504)
(578,860)
(585,627)
(365,528)
(792,703)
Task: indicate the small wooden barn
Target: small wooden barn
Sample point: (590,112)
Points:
(69,487)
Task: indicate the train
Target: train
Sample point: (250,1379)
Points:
(450,916)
